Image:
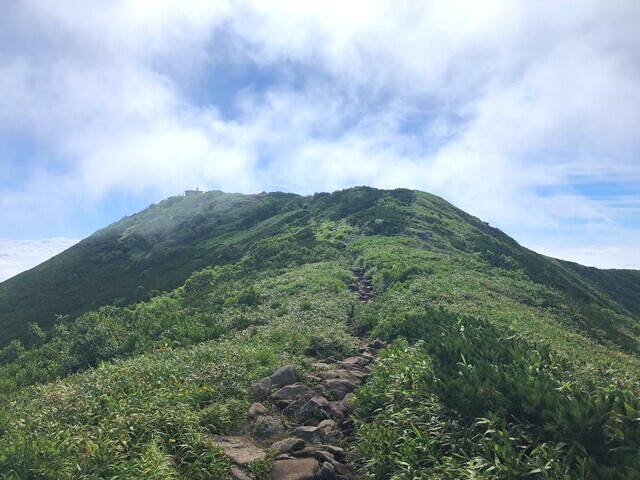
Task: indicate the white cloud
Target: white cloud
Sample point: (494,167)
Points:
(17,256)
(600,256)
(480,102)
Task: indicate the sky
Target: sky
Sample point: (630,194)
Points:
(525,114)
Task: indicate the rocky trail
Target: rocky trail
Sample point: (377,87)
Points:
(362,287)
(303,421)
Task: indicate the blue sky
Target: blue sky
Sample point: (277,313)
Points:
(524,114)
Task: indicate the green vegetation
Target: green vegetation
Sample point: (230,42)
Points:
(503,363)
(154,414)
(149,252)
(467,400)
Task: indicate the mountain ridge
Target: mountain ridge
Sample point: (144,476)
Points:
(157,248)
(496,362)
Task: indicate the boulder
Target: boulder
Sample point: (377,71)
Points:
(312,379)
(294,469)
(354,362)
(331,433)
(368,356)
(339,387)
(309,451)
(309,434)
(293,392)
(283,456)
(327,425)
(338,412)
(260,390)
(333,436)
(268,426)
(326,472)
(349,402)
(239,449)
(288,445)
(326,375)
(324,456)
(320,365)
(316,407)
(337,452)
(291,409)
(257,409)
(354,376)
(284,376)
(359,375)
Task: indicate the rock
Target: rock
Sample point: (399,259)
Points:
(340,469)
(309,434)
(309,451)
(353,376)
(284,376)
(260,390)
(347,427)
(368,356)
(238,474)
(292,392)
(338,412)
(354,362)
(339,387)
(344,472)
(320,365)
(239,449)
(337,452)
(326,375)
(327,425)
(268,426)
(377,344)
(288,445)
(294,469)
(359,375)
(333,436)
(327,472)
(316,407)
(292,408)
(257,409)
(283,456)
(312,379)
(324,456)
(349,402)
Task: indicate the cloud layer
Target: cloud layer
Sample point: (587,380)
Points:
(516,112)
(16,256)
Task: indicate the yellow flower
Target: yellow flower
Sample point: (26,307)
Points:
(173,440)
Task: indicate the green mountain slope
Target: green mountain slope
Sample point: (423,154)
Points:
(503,363)
(154,250)
(158,248)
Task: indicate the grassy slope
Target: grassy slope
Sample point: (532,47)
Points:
(154,250)
(158,248)
(187,356)
(151,416)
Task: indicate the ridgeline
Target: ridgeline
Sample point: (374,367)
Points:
(133,352)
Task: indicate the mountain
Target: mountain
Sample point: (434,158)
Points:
(138,344)
(157,249)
